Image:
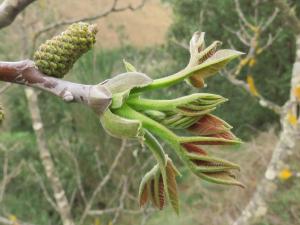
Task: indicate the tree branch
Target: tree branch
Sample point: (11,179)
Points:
(262,101)
(289,14)
(286,143)
(9,9)
(24,72)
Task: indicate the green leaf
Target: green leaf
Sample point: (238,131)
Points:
(120,127)
(216,62)
(118,99)
(221,178)
(203,140)
(121,85)
(155,114)
(129,67)
(144,187)
(204,163)
(172,187)
(209,67)
(127,81)
(156,149)
(205,100)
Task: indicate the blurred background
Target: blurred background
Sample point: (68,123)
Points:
(154,36)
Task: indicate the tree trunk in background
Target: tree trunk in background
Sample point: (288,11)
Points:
(57,188)
(257,205)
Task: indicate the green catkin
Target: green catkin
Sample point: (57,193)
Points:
(56,56)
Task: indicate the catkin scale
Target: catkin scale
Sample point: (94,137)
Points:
(56,56)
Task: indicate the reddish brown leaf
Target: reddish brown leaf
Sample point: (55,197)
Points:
(191,148)
(209,124)
(151,190)
(224,177)
(161,193)
(172,187)
(144,197)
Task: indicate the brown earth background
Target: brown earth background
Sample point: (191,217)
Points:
(144,27)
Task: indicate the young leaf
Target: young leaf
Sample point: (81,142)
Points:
(120,127)
(215,63)
(204,163)
(129,67)
(156,149)
(145,188)
(172,187)
(221,178)
(208,125)
(121,85)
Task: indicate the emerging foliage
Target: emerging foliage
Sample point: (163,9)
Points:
(132,116)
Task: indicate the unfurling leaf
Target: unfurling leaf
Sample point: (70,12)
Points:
(204,163)
(131,115)
(172,187)
(120,127)
(221,178)
(197,42)
(145,188)
(156,149)
(252,87)
(208,52)
(208,125)
(159,186)
(214,64)
(121,85)
(129,67)
(224,139)
(155,114)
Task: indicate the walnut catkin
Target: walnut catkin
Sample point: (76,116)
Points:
(56,56)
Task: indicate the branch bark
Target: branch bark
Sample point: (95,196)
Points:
(261,100)
(257,205)
(9,9)
(24,72)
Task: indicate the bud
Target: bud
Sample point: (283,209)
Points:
(207,61)
(56,56)
(208,125)
(158,187)
(211,169)
(201,162)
